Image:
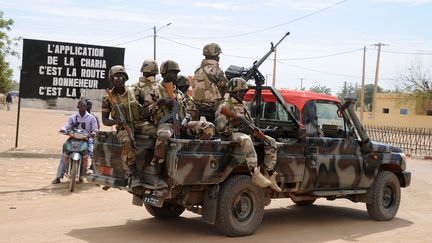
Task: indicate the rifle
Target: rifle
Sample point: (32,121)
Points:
(255,131)
(169,86)
(252,72)
(122,118)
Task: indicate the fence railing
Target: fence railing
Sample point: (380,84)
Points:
(411,140)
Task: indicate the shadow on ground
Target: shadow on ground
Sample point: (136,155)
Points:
(317,223)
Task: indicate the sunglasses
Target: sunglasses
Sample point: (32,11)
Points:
(121,78)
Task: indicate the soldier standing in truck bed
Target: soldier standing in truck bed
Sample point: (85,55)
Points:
(166,119)
(209,83)
(229,129)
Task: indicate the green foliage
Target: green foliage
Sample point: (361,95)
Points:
(320,89)
(417,81)
(7,46)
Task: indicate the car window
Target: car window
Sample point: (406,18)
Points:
(330,124)
(275,111)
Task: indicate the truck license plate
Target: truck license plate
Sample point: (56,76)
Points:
(153,200)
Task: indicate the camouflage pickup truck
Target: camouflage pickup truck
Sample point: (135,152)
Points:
(323,152)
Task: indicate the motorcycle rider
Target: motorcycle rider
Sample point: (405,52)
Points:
(82,120)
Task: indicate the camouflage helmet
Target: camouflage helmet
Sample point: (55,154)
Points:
(237,84)
(150,66)
(169,65)
(212,49)
(117,69)
(182,81)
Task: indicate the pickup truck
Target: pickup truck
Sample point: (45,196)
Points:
(323,152)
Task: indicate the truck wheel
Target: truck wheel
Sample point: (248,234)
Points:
(385,195)
(304,203)
(167,211)
(240,206)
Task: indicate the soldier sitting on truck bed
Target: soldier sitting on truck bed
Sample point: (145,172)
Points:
(147,93)
(183,85)
(172,118)
(131,111)
(230,129)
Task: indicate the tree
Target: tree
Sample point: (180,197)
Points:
(417,81)
(368,95)
(7,46)
(347,88)
(320,89)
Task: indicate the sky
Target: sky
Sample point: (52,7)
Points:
(325,45)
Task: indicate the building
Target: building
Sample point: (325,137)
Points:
(399,110)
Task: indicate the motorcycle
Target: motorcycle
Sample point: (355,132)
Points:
(75,152)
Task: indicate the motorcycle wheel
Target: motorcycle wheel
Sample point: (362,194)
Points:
(73,175)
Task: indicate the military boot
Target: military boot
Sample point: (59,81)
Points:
(272,179)
(258,179)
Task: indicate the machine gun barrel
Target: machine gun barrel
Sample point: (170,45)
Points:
(254,69)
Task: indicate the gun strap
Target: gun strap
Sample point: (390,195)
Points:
(214,81)
(129,108)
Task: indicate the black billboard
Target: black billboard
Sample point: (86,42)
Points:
(58,69)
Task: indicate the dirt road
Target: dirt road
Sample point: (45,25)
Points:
(31,210)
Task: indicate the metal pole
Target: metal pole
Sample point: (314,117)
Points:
(376,77)
(18,120)
(274,69)
(154,43)
(363,85)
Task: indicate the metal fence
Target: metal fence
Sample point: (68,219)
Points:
(411,140)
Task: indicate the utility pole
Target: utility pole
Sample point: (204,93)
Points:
(274,69)
(301,83)
(363,85)
(376,77)
(154,38)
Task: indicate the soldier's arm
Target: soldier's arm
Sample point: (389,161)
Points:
(106,110)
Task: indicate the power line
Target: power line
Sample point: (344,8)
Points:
(324,56)
(127,42)
(264,29)
(255,58)
(122,37)
(329,73)
(409,53)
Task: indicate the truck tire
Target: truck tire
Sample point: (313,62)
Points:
(240,206)
(385,197)
(167,211)
(304,203)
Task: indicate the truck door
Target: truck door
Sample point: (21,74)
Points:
(333,158)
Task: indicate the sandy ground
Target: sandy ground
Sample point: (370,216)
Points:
(32,210)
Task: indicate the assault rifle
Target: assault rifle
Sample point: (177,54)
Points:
(252,72)
(255,131)
(122,118)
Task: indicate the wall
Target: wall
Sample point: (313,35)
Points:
(415,117)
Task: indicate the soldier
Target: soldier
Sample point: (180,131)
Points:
(169,119)
(147,93)
(209,83)
(229,129)
(131,111)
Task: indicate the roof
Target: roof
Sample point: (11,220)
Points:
(295,97)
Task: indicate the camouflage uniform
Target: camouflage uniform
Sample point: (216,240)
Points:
(131,110)
(183,86)
(146,92)
(209,83)
(230,131)
(196,129)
